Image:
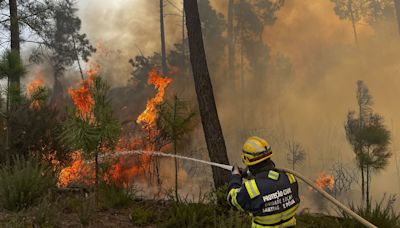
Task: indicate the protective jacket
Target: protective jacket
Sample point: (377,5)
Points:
(270,197)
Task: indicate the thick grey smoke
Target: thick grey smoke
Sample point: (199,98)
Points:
(308,103)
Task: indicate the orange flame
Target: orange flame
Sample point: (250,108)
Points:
(123,170)
(78,171)
(34,86)
(82,97)
(148,117)
(325,181)
(93,70)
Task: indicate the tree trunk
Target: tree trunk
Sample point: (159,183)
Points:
(205,96)
(231,46)
(293,163)
(397,6)
(58,92)
(162,32)
(175,144)
(183,43)
(362,186)
(368,184)
(15,46)
(353,22)
(96,160)
(243,97)
(176,173)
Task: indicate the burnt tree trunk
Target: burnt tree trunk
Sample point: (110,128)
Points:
(205,96)
(397,6)
(162,32)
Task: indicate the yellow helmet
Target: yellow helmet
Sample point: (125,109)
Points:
(255,150)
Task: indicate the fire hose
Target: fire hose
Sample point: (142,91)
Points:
(229,167)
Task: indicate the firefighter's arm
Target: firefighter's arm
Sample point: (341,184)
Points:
(237,193)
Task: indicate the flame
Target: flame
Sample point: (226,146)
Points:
(79,171)
(35,84)
(148,117)
(94,70)
(325,181)
(82,97)
(33,87)
(122,170)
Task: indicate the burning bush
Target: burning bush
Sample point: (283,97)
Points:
(34,128)
(91,127)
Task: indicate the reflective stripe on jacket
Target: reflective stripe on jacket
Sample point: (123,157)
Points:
(271,198)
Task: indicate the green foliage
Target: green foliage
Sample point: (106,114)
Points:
(369,10)
(369,138)
(45,214)
(317,221)
(23,183)
(11,65)
(190,215)
(382,215)
(177,119)
(84,209)
(101,130)
(218,198)
(12,68)
(212,210)
(114,196)
(57,27)
(36,128)
(140,216)
(18,221)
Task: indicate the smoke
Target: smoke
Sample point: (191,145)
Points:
(327,64)
(123,29)
(308,103)
(309,85)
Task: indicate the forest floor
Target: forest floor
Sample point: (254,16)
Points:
(73,212)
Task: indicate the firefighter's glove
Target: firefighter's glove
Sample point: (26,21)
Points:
(235,170)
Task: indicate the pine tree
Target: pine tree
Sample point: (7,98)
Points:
(176,120)
(91,126)
(369,138)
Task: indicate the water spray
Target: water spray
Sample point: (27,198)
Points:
(229,167)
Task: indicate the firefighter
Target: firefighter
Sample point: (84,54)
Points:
(269,195)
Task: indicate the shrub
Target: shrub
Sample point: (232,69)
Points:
(84,209)
(23,183)
(188,214)
(114,196)
(382,215)
(45,215)
(317,221)
(184,214)
(18,221)
(140,216)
